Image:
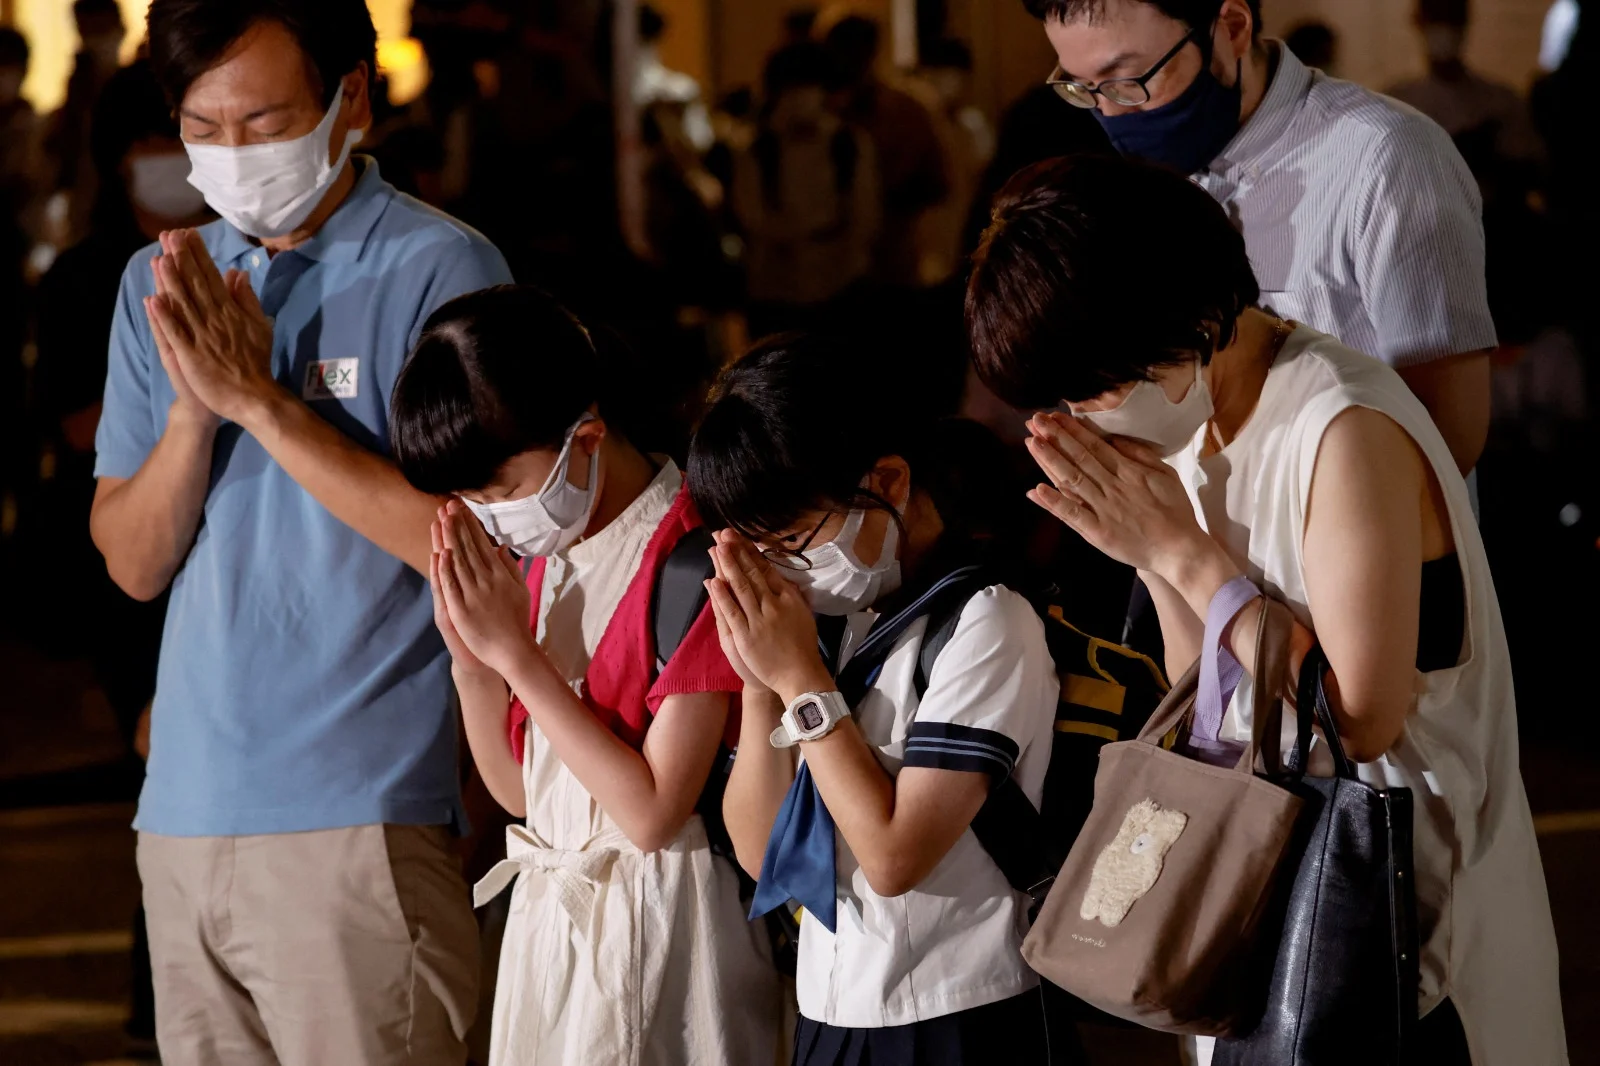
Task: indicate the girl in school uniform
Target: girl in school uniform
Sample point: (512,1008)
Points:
(855,784)
(626,943)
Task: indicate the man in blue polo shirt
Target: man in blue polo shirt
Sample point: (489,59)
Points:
(304,902)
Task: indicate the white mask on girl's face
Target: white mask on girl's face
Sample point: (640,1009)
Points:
(266,190)
(159,184)
(838,581)
(552,519)
(1147,415)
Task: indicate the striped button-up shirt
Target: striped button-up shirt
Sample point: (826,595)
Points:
(1360,217)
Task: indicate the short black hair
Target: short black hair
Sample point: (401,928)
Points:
(652,24)
(1444,12)
(796,66)
(82,10)
(1314,43)
(1196,14)
(794,426)
(189,37)
(131,109)
(798,423)
(854,41)
(13,48)
(496,373)
(1095,272)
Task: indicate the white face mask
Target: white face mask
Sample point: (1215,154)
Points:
(266,190)
(160,185)
(1147,415)
(552,519)
(838,582)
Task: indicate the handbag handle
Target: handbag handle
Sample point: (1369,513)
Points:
(1313,706)
(1271,675)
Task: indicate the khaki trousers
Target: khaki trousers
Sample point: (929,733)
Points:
(346,947)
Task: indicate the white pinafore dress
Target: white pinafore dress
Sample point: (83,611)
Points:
(614,957)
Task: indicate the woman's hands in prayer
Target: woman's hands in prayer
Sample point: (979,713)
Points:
(765,624)
(214,340)
(480,601)
(1121,497)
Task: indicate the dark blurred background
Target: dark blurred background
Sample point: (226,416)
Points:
(650,164)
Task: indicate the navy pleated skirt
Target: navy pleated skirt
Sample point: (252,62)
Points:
(1012,1031)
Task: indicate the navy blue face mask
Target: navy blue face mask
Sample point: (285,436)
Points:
(1186,134)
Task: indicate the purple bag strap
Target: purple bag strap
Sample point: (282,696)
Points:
(1220,671)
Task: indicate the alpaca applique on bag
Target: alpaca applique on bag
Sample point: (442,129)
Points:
(1130,864)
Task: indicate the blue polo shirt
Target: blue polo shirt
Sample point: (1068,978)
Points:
(302,684)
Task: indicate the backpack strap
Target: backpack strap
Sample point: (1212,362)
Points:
(680,592)
(1008,825)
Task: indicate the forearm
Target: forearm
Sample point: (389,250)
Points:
(619,778)
(145,526)
(1181,630)
(484,702)
(361,489)
(859,794)
(759,781)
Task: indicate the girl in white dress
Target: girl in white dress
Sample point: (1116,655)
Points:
(627,942)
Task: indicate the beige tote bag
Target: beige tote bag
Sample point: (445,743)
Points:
(1153,916)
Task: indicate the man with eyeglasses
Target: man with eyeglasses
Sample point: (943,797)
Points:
(1360,217)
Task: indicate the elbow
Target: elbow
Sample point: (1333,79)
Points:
(892,876)
(140,585)
(1360,749)
(1369,737)
(653,834)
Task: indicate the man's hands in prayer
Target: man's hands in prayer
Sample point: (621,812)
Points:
(214,340)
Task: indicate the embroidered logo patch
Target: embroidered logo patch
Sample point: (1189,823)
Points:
(1130,864)
(332,379)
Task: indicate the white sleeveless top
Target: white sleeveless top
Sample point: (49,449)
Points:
(1488,942)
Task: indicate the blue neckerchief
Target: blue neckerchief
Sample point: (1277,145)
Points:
(800,863)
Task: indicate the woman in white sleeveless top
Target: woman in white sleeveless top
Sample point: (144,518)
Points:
(1311,470)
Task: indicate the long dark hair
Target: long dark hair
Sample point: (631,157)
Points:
(797,424)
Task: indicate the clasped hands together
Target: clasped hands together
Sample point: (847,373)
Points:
(214,340)
(1119,495)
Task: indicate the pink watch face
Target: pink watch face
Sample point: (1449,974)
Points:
(809,716)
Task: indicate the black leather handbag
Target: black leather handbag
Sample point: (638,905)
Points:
(1343,986)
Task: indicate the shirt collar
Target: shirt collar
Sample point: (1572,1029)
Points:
(341,238)
(1286,94)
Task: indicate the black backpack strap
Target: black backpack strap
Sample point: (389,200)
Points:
(1008,825)
(680,593)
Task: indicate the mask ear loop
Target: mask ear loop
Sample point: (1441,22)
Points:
(559,473)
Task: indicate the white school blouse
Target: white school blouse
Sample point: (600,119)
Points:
(1488,941)
(954,942)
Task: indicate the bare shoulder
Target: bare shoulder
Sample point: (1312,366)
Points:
(1366,464)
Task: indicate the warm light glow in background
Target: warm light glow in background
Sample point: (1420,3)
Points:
(54,41)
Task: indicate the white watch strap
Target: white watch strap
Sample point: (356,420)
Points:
(834,709)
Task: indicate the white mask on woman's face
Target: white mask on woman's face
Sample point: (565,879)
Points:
(266,190)
(1146,414)
(552,519)
(838,581)
(159,185)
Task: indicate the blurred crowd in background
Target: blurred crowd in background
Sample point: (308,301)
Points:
(831,193)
